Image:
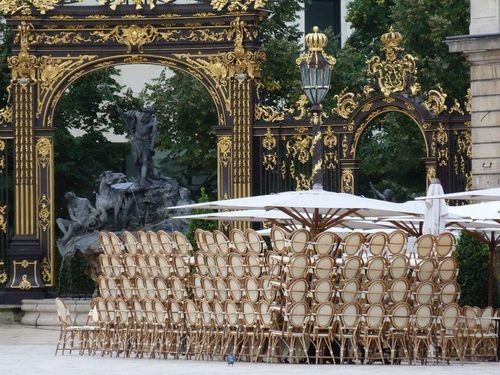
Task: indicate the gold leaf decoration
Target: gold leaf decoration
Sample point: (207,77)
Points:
(456,107)
(224,150)
(46,272)
(346,104)
(44,213)
(395,72)
(269,141)
(301,107)
(468,101)
(268,113)
(299,147)
(431,173)
(139,4)
(435,102)
(6,115)
(237,5)
(3,219)
(44,150)
(23,6)
(330,138)
(347,181)
(133,36)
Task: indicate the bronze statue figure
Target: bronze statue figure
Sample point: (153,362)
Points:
(142,126)
(81,213)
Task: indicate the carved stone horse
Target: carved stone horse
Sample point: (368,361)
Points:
(109,198)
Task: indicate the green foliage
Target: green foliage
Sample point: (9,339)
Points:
(424,25)
(472,257)
(280,37)
(201,224)
(186,116)
(186,112)
(86,106)
(391,151)
(72,279)
(5,44)
(392,148)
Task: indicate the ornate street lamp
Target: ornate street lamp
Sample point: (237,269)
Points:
(315,68)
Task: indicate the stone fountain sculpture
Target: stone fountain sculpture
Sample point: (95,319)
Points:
(122,202)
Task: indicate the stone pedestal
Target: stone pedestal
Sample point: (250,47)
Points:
(42,312)
(482,50)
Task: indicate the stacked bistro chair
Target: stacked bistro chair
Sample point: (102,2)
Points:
(318,299)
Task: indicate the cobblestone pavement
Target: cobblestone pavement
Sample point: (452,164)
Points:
(26,351)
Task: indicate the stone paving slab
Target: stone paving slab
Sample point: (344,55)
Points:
(30,351)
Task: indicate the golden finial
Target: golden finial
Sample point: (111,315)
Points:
(391,39)
(316,41)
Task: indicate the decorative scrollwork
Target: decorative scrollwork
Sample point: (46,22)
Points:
(224,147)
(239,63)
(441,135)
(330,138)
(44,213)
(52,68)
(270,158)
(345,146)
(25,284)
(46,273)
(330,142)
(23,66)
(3,219)
(435,102)
(441,146)
(113,4)
(237,5)
(395,73)
(133,36)
(299,148)
(24,7)
(44,150)
(347,181)
(269,141)
(2,157)
(368,91)
(3,277)
(303,182)
(456,107)
(301,107)
(468,101)
(346,104)
(268,113)
(431,173)
(6,115)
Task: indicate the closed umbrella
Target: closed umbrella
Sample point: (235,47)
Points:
(436,210)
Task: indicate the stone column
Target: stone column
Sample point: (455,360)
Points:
(482,50)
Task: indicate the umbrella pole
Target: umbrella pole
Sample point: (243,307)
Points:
(491,278)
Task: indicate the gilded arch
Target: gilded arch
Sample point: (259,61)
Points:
(283,138)
(54,45)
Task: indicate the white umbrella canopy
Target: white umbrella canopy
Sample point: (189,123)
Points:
(350,223)
(317,209)
(436,210)
(478,211)
(492,194)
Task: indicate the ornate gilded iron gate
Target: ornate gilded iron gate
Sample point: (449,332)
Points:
(55,45)
(260,149)
(6,201)
(282,139)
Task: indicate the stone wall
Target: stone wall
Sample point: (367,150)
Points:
(482,50)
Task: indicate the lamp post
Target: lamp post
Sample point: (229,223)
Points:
(315,69)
